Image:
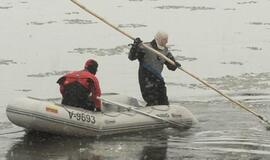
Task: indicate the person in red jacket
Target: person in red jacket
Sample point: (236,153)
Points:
(81,88)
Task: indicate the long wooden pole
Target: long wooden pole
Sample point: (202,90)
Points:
(227,97)
(172,62)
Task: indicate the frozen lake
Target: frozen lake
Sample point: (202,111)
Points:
(225,43)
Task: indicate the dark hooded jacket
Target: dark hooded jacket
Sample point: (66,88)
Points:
(151,82)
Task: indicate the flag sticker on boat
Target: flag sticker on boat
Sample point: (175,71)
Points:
(52,109)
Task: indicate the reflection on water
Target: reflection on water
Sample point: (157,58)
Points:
(102,52)
(216,136)
(259,23)
(23,90)
(71,13)
(5,7)
(191,8)
(124,49)
(233,63)
(41,23)
(42,146)
(234,83)
(184,58)
(229,9)
(255,48)
(154,152)
(131,25)
(224,145)
(5,125)
(7,62)
(247,2)
(47,74)
(244,81)
(78,21)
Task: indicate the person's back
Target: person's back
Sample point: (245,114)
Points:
(76,87)
(76,95)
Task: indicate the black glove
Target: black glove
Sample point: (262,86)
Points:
(178,65)
(136,42)
(135,49)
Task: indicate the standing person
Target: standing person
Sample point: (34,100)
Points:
(151,82)
(81,88)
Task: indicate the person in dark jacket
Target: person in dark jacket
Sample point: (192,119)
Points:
(151,82)
(81,88)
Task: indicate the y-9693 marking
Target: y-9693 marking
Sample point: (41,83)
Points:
(80,116)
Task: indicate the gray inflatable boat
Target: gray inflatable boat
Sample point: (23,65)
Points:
(120,114)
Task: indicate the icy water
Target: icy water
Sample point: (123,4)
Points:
(226,43)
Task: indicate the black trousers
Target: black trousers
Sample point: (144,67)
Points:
(77,95)
(153,88)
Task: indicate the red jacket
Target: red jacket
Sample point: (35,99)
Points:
(82,77)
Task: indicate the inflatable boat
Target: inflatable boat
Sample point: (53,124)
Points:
(120,114)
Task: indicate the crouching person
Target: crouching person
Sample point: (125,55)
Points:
(81,88)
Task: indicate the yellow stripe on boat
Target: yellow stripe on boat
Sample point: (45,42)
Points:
(52,108)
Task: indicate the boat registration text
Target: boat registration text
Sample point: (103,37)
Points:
(80,116)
